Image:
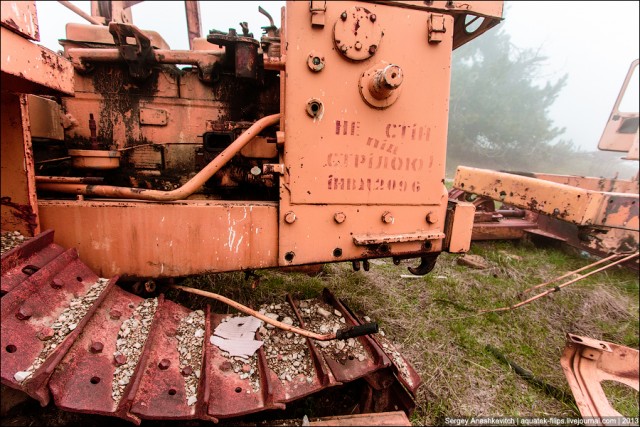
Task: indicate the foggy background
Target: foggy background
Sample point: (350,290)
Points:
(592,43)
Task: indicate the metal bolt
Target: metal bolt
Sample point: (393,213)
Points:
(387,218)
(186,371)
(56,283)
(226,366)
(96,347)
(115,314)
(339,217)
(431,218)
(372,49)
(316,60)
(358,46)
(45,334)
(164,364)
(343,16)
(24,313)
(556,211)
(120,359)
(290,217)
(373,17)
(344,48)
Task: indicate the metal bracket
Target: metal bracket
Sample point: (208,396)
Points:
(139,56)
(436,28)
(317,9)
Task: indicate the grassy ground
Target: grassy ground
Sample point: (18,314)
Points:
(459,356)
(457,353)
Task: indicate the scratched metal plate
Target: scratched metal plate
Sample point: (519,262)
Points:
(352,153)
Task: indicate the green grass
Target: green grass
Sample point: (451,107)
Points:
(433,321)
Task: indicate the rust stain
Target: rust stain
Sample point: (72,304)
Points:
(23,212)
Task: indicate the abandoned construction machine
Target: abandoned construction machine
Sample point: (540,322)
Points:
(596,215)
(322,141)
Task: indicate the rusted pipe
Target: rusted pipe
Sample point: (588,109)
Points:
(250,312)
(557,288)
(348,332)
(70,179)
(80,12)
(270,63)
(594,264)
(178,194)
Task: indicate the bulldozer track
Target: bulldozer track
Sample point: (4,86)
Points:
(92,347)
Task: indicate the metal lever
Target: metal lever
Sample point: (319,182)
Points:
(265,13)
(356,331)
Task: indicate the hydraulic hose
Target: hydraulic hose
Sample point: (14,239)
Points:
(343,334)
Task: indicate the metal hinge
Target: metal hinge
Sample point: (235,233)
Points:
(317,9)
(436,28)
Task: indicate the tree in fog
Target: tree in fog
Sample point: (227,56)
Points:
(499,115)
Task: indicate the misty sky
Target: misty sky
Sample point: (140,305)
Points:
(593,42)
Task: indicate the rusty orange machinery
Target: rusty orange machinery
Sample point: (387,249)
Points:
(323,141)
(598,215)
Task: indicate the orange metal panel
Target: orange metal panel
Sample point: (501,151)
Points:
(18,186)
(21,17)
(461,226)
(621,131)
(44,116)
(397,418)
(30,68)
(480,8)
(317,236)
(571,204)
(362,155)
(100,34)
(351,169)
(149,239)
(592,183)
(587,362)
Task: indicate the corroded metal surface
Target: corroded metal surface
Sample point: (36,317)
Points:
(24,260)
(21,18)
(117,354)
(83,381)
(19,207)
(32,68)
(30,313)
(157,241)
(565,202)
(587,362)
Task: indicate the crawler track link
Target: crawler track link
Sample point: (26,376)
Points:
(91,347)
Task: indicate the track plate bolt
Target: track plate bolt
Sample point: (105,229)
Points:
(186,371)
(164,364)
(24,313)
(120,359)
(115,314)
(290,217)
(339,217)
(56,283)
(45,334)
(96,347)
